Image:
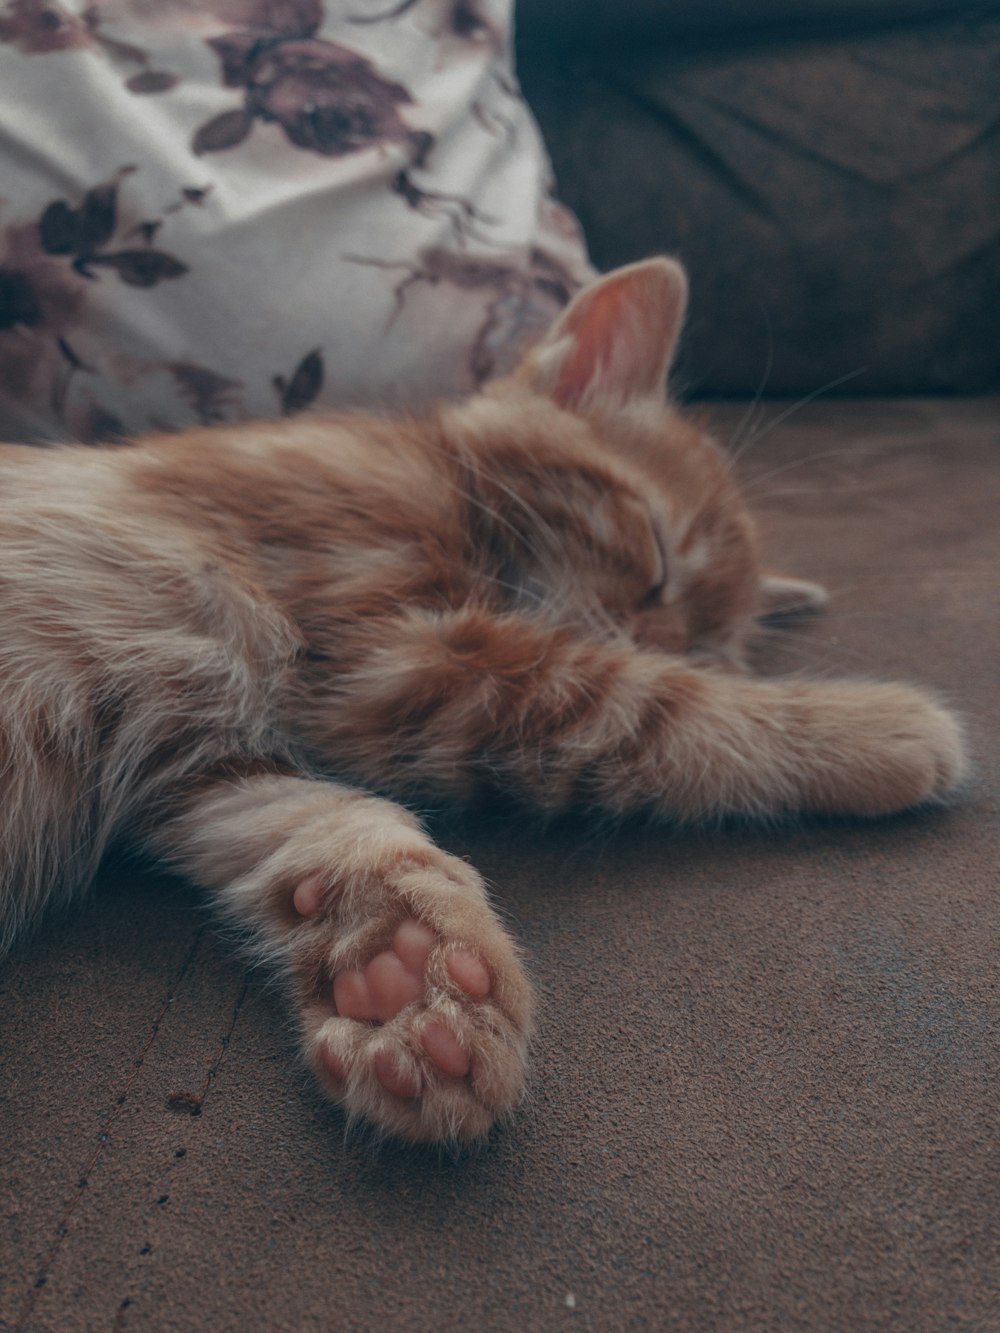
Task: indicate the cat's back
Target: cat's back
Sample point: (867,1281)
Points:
(69,511)
(96,569)
(196,547)
(54,476)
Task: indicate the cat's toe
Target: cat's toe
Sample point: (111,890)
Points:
(308,896)
(444,1049)
(469,973)
(397,1075)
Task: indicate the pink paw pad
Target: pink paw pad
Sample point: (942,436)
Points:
(393,979)
(308,895)
(445,1050)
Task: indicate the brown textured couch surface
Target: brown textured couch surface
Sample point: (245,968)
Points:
(765,1080)
(832,183)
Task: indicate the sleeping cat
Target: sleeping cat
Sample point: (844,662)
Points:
(217,646)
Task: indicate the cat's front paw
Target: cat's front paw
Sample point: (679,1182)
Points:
(420,1024)
(885,748)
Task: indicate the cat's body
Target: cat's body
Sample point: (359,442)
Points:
(517,593)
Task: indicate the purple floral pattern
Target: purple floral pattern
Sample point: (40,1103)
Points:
(325,97)
(82,232)
(38,27)
(326,219)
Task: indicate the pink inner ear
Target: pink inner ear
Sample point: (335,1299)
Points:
(592,325)
(623,331)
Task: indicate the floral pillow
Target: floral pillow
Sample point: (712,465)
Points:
(220,209)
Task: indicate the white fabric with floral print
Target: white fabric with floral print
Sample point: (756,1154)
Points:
(236,208)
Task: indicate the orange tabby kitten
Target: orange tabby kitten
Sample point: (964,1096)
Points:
(545,590)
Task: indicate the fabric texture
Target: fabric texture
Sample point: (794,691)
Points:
(836,201)
(575,21)
(235,208)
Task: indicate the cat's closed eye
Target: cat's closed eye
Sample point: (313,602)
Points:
(654,593)
(652,597)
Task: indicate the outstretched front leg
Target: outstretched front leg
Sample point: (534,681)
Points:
(413,1006)
(448,703)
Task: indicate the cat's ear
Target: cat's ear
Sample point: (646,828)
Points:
(615,341)
(791,597)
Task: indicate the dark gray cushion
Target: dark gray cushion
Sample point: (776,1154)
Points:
(837,202)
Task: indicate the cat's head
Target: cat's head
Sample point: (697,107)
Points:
(606,505)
